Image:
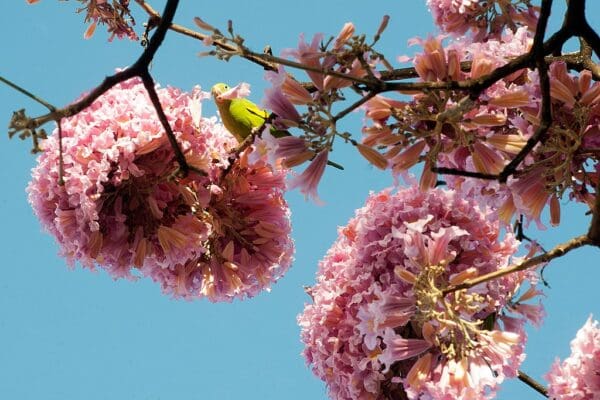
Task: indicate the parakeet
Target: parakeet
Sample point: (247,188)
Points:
(240,115)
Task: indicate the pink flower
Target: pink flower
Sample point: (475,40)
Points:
(344,35)
(124,208)
(435,63)
(309,54)
(291,88)
(290,146)
(277,102)
(378,323)
(578,376)
(309,180)
(397,348)
(380,108)
(355,70)
(236,92)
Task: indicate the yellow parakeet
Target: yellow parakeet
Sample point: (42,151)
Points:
(240,115)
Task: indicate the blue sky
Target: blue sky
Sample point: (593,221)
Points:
(70,334)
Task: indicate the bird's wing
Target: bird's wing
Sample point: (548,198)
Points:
(247,113)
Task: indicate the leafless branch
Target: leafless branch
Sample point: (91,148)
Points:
(556,252)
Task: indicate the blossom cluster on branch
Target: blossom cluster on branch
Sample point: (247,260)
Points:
(122,205)
(448,128)
(380,324)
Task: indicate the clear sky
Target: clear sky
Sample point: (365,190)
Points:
(74,334)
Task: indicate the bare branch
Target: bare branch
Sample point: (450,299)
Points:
(139,68)
(594,231)
(223,44)
(535,385)
(354,106)
(537,51)
(27,93)
(459,172)
(149,85)
(558,251)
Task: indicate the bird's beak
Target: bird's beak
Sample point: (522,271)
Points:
(215,93)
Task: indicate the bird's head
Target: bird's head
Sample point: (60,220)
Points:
(218,90)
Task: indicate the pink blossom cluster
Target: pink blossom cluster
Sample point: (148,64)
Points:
(578,376)
(221,232)
(116,16)
(484,18)
(380,326)
(566,161)
(569,158)
(448,129)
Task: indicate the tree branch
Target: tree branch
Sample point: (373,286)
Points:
(353,106)
(149,85)
(535,385)
(556,252)
(139,68)
(27,93)
(470,174)
(546,118)
(594,231)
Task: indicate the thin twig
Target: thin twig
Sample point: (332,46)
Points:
(594,231)
(558,251)
(539,135)
(149,85)
(223,44)
(535,385)
(139,68)
(354,106)
(27,93)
